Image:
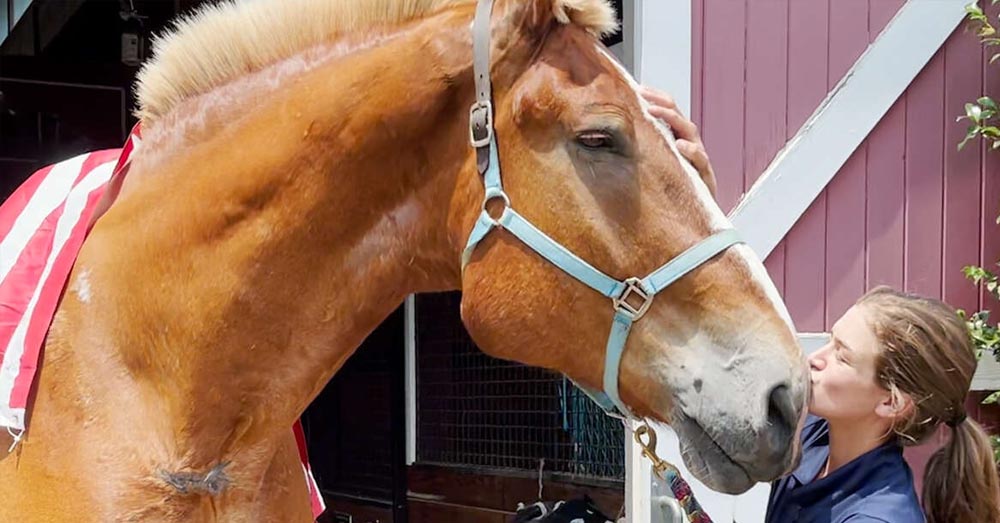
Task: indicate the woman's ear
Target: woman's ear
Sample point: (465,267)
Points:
(894,405)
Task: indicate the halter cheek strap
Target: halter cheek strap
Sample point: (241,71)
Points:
(630,298)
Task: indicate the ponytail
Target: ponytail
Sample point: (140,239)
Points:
(960,483)
(927,354)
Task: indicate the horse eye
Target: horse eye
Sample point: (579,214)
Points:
(596,140)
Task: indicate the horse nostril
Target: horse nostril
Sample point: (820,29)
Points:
(781,411)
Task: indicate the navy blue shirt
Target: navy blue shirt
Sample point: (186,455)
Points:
(876,487)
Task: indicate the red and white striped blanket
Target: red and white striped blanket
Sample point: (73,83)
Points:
(42,226)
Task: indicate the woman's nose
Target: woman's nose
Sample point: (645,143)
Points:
(817,361)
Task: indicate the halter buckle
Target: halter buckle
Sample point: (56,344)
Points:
(481,123)
(633,286)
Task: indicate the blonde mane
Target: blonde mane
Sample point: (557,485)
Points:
(224,41)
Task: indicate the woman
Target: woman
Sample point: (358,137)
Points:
(897,367)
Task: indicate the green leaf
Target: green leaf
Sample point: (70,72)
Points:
(973,12)
(988,103)
(970,133)
(981,276)
(992,398)
(990,132)
(973,111)
(984,334)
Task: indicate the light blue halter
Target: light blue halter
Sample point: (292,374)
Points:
(483,138)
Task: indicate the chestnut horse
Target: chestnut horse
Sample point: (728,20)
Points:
(306,165)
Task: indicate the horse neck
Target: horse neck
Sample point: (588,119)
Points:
(326,213)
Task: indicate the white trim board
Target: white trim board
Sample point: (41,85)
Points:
(410,378)
(663,58)
(807,163)
(987,375)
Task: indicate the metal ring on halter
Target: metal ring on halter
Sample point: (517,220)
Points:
(493,193)
(633,286)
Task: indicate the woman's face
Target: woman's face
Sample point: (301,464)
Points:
(843,371)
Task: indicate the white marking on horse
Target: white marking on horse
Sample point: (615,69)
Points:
(385,236)
(717,220)
(82,286)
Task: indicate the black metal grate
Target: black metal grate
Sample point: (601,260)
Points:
(351,426)
(478,411)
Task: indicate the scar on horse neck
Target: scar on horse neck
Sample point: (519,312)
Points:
(212,483)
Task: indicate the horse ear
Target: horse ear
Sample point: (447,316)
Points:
(533,18)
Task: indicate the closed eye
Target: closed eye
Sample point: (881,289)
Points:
(597,140)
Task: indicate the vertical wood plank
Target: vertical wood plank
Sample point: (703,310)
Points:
(845,237)
(962,171)
(990,199)
(765,105)
(848,36)
(805,245)
(805,269)
(775,265)
(924,180)
(845,207)
(884,229)
(697,58)
(723,70)
(880,12)
(766,85)
(885,172)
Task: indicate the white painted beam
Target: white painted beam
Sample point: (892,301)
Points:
(809,161)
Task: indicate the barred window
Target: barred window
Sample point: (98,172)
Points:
(477,411)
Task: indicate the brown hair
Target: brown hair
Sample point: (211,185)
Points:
(928,355)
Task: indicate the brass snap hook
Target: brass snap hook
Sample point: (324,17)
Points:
(645,436)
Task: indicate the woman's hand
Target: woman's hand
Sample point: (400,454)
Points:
(688,140)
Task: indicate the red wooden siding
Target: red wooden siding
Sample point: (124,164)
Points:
(907,209)
(805,246)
